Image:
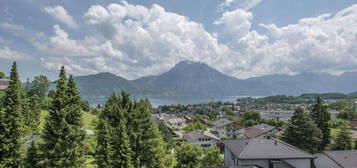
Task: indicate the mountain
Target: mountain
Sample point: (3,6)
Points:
(195,79)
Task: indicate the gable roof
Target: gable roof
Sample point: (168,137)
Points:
(221,122)
(4,83)
(257,130)
(344,158)
(195,135)
(257,148)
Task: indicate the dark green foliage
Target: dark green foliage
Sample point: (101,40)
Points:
(344,139)
(2,75)
(146,140)
(39,86)
(251,118)
(63,135)
(31,111)
(113,148)
(188,156)
(212,157)
(85,105)
(302,132)
(321,117)
(33,156)
(355,145)
(195,125)
(165,131)
(11,123)
(104,151)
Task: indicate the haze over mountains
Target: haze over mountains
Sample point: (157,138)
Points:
(194,79)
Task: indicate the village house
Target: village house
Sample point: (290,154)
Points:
(171,120)
(4,83)
(202,138)
(280,115)
(264,153)
(261,131)
(226,128)
(336,159)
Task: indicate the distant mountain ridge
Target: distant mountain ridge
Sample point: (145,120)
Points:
(195,79)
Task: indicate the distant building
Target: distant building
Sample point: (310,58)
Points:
(280,115)
(4,83)
(264,153)
(334,114)
(227,128)
(354,124)
(261,131)
(202,138)
(336,159)
(171,120)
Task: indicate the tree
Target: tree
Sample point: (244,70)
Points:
(33,156)
(2,75)
(113,148)
(11,123)
(39,86)
(188,156)
(251,118)
(146,140)
(321,117)
(344,139)
(212,157)
(302,132)
(63,134)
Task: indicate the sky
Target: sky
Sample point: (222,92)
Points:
(135,38)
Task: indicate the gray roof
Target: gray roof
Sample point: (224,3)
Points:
(221,122)
(345,158)
(264,149)
(195,135)
(257,130)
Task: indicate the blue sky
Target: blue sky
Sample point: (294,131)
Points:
(242,38)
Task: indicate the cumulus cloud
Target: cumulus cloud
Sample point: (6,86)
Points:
(60,14)
(138,41)
(326,43)
(243,4)
(7,53)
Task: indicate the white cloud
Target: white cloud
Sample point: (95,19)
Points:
(7,53)
(243,4)
(326,43)
(143,40)
(139,41)
(60,14)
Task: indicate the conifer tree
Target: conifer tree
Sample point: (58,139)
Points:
(302,132)
(146,140)
(104,149)
(33,156)
(63,135)
(321,117)
(11,126)
(344,139)
(113,148)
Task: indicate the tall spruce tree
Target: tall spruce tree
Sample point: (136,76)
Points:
(321,117)
(33,156)
(63,135)
(113,148)
(302,132)
(11,126)
(146,140)
(344,139)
